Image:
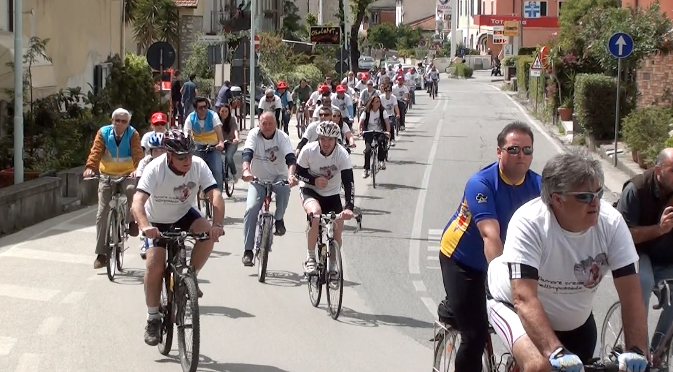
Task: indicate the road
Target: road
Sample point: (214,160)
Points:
(58,314)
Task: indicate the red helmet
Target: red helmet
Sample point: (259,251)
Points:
(158,118)
(340,89)
(282,85)
(323,88)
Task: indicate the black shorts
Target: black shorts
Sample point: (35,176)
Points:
(328,204)
(185,224)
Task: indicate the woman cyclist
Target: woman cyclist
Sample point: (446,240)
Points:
(374,118)
(346,139)
(230,133)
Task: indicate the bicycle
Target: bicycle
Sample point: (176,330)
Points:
(116,230)
(227,184)
(447,339)
(179,298)
(301,120)
(374,160)
(663,352)
(329,266)
(265,222)
(433,89)
(228,181)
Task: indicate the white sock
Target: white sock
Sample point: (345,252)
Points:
(311,254)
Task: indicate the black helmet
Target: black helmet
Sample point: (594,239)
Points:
(177,142)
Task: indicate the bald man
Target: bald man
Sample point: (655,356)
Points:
(646,206)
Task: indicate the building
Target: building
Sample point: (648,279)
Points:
(330,10)
(74,50)
(399,12)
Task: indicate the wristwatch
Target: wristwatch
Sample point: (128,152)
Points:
(219,224)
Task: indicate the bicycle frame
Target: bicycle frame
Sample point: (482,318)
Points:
(488,358)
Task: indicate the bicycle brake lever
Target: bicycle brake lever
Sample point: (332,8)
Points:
(668,294)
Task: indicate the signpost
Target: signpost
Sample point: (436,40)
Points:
(536,67)
(159,56)
(620,45)
(256,43)
(216,58)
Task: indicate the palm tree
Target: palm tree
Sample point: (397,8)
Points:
(156,20)
(130,7)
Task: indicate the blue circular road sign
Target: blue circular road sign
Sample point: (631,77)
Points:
(620,45)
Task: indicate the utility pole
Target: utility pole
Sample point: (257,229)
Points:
(253,63)
(18,91)
(454,27)
(122,32)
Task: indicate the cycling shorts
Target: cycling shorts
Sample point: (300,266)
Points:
(184,223)
(327,204)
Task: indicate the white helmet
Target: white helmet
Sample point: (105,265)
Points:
(328,129)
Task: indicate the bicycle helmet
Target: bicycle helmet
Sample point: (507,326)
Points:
(156,141)
(177,142)
(328,129)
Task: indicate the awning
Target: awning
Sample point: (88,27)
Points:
(42,71)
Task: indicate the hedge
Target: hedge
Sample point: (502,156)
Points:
(528,51)
(536,86)
(594,98)
(464,71)
(311,73)
(523,63)
(645,130)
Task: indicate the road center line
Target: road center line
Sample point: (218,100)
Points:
(415,242)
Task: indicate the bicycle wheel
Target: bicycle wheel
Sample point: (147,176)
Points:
(446,346)
(300,129)
(613,317)
(263,252)
(121,242)
(315,281)
(166,310)
(112,241)
(188,308)
(228,181)
(334,283)
(374,165)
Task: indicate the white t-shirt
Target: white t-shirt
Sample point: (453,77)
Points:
(329,167)
(316,113)
(361,85)
(374,120)
(272,106)
(389,104)
(315,97)
(365,95)
(268,162)
(311,133)
(570,265)
(143,163)
(172,195)
(342,104)
(400,91)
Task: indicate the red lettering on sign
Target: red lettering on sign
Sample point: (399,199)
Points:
(499,20)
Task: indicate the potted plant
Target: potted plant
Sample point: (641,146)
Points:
(645,131)
(566,109)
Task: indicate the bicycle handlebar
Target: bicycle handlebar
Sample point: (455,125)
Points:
(374,131)
(327,218)
(110,178)
(182,235)
(599,366)
(266,183)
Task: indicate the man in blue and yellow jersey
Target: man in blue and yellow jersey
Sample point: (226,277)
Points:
(475,235)
(115,152)
(206,128)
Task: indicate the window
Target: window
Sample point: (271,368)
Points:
(10,15)
(543,8)
(375,18)
(483,8)
(460,7)
(559,7)
(492,5)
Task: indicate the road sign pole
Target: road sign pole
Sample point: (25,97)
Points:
(619,80)
(253,64)
(161,77)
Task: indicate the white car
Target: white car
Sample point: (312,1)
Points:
(366,63)
(417,77)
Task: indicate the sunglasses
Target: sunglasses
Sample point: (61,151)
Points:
(515,150)
(586,197)
(325,115)
(183,156)
(201,107)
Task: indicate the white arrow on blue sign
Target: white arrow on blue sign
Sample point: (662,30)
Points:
(620,45)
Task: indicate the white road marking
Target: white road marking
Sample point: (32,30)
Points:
(434,267)
(419,286)
(28,363)
(49,326)
(431,305)
(433,258)
(75,227)
(27,293)
(73,297)
(6,345)
(415,243)
(36,254)
(433,248)
(435,234)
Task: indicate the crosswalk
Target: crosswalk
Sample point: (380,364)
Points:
(434,237)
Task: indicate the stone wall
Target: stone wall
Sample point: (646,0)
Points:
(190,26)
(28,203)
(655,79)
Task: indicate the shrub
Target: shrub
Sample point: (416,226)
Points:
(523,63)
(594,98)
(645,130)
(527,51)
(464,71)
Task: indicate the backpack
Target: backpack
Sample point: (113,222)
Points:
(381,121)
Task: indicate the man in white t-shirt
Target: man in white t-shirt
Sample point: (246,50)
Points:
(311,133)
(401,91)
(325,101)
(557,250)
(267,156)
(166,194)
(390,103)
(344,102)
(270,103)
(323,167)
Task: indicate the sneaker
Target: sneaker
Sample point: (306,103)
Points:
(133,229)
(365,174)
(199,293)
(280,228)
(153,332)
(310,267)
(247,258)
(382,165)
(402,129)
(100,261)
(392,143)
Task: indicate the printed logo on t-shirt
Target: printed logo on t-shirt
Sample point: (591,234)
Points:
(464,216)
(271,153)
(181,193)
(590,271)
(481,198)
(328,171)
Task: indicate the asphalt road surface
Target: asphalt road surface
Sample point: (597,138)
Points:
(58,314)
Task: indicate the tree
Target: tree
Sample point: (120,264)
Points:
(574,16)
(359,8)
(383,34)
(292,28)
(408,37)
(156,20)
(130,9)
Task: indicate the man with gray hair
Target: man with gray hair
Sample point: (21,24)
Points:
(558,249)
(271,103)
(646,207)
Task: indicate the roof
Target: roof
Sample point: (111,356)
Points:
(383,4)
(427,23)
(187,3)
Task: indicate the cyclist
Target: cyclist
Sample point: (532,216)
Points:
(323,167)
(433,78)
(115,152)
(374,118)
(390,104)
(350,80)
(166,195)
(302,93)
(474,236)
(311,133)
(402,93)
(156,149)
(365,94)
(271,103)
(287,103)
(158,123)
(205,127)
(267,155)
(558,249)
(344,102)
(325,101)
(230,133)
(315,98)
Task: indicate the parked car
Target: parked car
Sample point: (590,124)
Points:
(365,63)
(417,77)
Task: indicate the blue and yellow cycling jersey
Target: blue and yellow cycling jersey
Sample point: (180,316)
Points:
(488,195)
